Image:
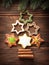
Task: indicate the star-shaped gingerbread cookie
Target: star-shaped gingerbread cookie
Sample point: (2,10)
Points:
(11,40)
(36,28)
(15,24)
(37,40)
(27,20)
(24,41)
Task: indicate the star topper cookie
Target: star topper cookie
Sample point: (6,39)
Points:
(11,40)
(36,28)
(24,41)
(37,40)
(15,24)
(21,19)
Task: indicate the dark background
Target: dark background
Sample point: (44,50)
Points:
(9,56)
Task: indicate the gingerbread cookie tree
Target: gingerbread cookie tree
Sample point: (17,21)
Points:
(25,40)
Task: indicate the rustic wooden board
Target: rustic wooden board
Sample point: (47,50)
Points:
(9,56)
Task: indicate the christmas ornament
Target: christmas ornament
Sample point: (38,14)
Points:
(37,40)
(11,40)
(15,24)
(27,20)
(24,41)
(36,28)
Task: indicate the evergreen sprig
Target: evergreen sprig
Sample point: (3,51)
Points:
(7,3)
(45,5)
(33,4)
(23,4)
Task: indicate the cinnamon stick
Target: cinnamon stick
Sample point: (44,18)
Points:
(24,50)
(29,52)
(25,56)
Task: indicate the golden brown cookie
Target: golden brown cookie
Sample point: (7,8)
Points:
(11,40)
(37,40)
(36,28)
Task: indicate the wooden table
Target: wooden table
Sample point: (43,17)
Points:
(9,56)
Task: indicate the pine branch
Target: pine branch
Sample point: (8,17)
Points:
(23,4)
(45,5)
(35,4)
(7,3)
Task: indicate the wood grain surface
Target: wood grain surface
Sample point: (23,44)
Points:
(9,56)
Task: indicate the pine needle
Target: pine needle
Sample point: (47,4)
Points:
(23,4)
(45,5)
(35,4)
